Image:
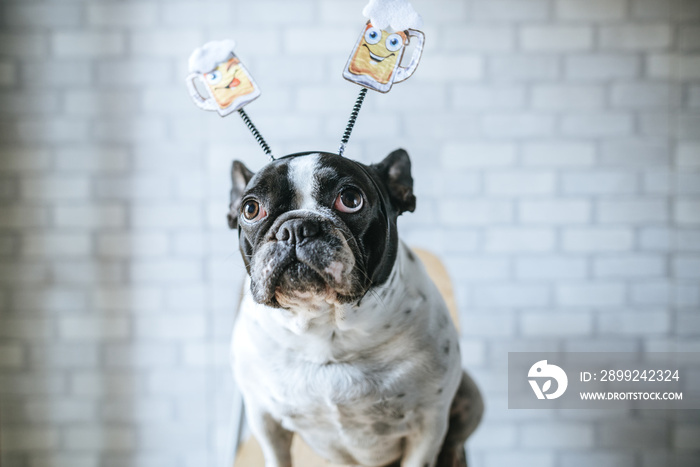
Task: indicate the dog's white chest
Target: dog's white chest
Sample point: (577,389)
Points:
(353,385)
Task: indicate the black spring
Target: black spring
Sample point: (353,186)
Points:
(353,118)
(256,133)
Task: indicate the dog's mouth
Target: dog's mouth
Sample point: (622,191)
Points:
(294,281)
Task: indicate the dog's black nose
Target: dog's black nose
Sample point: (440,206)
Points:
(297,230)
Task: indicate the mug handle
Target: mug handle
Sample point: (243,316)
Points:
(403,73)
(201,102)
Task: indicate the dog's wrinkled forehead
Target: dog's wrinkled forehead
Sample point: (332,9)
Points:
(303,180)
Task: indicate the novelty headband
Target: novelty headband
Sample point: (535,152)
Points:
(226,86)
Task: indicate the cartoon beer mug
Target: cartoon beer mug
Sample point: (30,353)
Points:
(226,84)
(376,59)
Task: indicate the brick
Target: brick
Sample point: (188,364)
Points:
(645,37)
(687,212)
(645,96)
(523,67)
(550,267)
(49,299)
(448,68)
(165,271)
(94,329)
(42,15)
(65,73)
(661,66)
(132,245)
(689,38)
(55,131)
(568,97)
(489,324)
(23,103)
(8,74)
(55,244)
(657,124)
(187,297)
(650,293)
(554,325)
(281,13)
(477,212)
(591,10)
(87,44)
(637,152)
(66,356)
(76,272)
(480,97)
(601,67)
(600,459)
(30,439)
(632,211)
(590,294)
(31,384)
(471,155)
(685,436)
(556,38)
(513,457)
(135,187)
(22,217)
(55,189)
(91,159)
(645,266)
(633,435)
(184,13)
(166,215)
(687,240)
(511,296)
(11,357)
(106,439)
(59,410)
(558,154)
(511,10)
(26,329)
(687,183)
(604,125)
(643,323)
(165,43)
(128,298)
(304,41)
(519,240)
(655,238)
(518,125)
(478,38)
(170,327)
(122,15)
(134,72)
(129,129)
(96,103)
(687,267)
(90,216)
(599,182)
(598,239)
(689,67)
(22,273)
(558,435)
(25,45)
(520,183)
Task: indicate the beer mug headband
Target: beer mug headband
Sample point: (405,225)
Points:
(375,63)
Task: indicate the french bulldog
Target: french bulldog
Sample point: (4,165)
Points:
(342,337)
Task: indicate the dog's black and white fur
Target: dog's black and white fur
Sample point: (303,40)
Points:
(342,337)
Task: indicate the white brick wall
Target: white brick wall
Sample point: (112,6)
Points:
(556,151)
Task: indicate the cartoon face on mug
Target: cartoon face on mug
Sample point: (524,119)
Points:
(378,53)
(228,82)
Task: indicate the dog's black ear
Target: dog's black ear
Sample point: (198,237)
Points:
(240,176)
(395,172)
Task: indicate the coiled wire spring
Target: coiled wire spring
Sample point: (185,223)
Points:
(256,134)
(351,121)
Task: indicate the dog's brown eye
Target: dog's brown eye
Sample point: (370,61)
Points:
(252,211)
(349,200)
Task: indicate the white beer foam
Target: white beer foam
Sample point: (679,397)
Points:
(205,58)
(397,14)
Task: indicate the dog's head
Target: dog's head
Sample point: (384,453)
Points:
(316,227)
